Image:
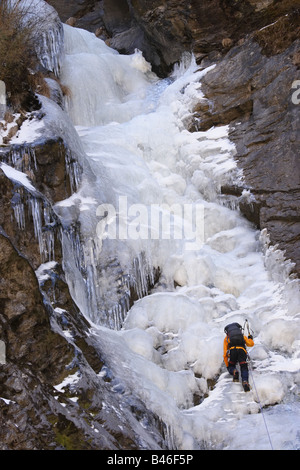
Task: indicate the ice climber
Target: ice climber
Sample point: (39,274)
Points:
(235,352)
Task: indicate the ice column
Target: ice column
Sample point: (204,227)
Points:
(2,99)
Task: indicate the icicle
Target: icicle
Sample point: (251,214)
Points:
(42,217)
(107,289)
(275,261)
(49,238)
(47,31)
(143,275)
(73,170)
(22,158)
(50,48)
(18,208)
(168,434)
(35,206)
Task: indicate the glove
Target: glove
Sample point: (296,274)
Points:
(250,337)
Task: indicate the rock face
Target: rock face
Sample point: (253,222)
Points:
(253,94)
(36,415)
(163,30)
(47,340)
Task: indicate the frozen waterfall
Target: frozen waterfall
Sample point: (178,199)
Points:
(46,30)
(150,203)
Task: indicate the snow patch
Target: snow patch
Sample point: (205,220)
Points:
(17,176)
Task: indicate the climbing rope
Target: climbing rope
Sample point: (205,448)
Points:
(246,324)
(259,402)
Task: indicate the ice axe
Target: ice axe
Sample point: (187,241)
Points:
(246,324)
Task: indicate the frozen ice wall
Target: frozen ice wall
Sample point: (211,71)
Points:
(161,183)
(109,87)
(47,31)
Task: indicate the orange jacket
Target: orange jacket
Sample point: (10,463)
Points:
(226,346)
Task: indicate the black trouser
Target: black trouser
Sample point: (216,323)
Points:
(237,355)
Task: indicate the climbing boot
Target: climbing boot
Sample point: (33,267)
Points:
(246,386)
(235,376)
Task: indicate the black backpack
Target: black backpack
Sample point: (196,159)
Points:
(234,332)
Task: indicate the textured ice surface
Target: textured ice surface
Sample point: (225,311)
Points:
(135,147)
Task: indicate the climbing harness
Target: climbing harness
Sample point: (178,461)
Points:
(259,402)
(246,324)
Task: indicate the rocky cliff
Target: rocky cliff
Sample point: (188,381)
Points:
(252,93)
(53,392)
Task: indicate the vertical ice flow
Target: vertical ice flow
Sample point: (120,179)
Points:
(168,348)
(46,30)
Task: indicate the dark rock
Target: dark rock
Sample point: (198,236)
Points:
(24,319)
(252,93)
(29,221)
(73,8)
(164,30)
(52,177)
(35,415)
